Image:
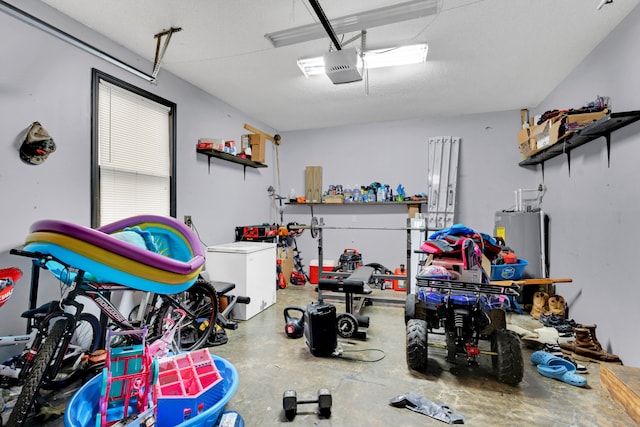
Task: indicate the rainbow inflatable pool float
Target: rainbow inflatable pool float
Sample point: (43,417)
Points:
(147,252)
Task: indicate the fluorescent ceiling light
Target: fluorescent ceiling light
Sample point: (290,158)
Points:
(356,22)
(405,55)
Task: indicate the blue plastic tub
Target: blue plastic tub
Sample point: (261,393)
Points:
(509,271)
(84,405)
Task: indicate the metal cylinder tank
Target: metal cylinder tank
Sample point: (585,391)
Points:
(526,234)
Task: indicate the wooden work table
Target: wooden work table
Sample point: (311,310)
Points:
(525,282)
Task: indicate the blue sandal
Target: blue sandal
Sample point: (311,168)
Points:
(557,368)
(541,357)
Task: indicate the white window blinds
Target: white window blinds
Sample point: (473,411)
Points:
(134,154)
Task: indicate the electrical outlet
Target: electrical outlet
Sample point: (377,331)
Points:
(187,220)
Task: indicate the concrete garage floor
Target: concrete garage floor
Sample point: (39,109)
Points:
(268,363)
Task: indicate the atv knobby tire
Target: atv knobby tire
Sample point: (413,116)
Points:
(508,365)
(410,308)
(417,344)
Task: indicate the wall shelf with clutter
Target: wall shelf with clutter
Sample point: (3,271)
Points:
(375,194)
(602,127)
(414,206)
(230,158)
(226,150)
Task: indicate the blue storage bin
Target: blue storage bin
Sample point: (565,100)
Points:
(509,271)
(84,404)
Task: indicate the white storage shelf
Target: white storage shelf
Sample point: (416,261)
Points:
(252,267)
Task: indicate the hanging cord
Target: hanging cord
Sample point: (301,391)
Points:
(276,140)
(339,353)
(193,226)
(363,46)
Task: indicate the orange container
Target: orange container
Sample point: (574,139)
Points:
(400,284)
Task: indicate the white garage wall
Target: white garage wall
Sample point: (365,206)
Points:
(396,153)
(47,80)
(594,209)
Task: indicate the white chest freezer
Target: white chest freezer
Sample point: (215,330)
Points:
(252,267)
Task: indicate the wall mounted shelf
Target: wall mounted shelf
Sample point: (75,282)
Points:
(230,158)
(603,127)
(413,205)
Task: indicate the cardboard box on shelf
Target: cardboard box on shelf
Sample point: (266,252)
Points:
(541,134)
(526,143)
(313,184)
(581,120)
(528,147)
(334,198)
(210,144)
(553,130)
(556,131)
(523,135)
(204,146)
(547,133)
(258,144)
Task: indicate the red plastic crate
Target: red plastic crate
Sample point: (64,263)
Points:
(187,385)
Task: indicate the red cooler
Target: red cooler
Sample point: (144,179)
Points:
(327,265)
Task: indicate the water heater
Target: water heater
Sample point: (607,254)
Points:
(526,234)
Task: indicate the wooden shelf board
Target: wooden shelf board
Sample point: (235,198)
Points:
(231,158)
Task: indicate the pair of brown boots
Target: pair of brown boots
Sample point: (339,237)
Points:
(586,345)
(543,303)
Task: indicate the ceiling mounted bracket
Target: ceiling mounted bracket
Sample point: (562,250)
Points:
(160,52)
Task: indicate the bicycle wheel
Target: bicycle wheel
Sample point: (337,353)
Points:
(200,302)
(36,375)
(85,339)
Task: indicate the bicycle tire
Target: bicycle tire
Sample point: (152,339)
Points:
(36,374)
(86,335)
(201,301)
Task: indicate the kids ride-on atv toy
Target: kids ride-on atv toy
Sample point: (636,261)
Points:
(465,313)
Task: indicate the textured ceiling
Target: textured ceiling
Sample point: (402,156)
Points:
(484,56)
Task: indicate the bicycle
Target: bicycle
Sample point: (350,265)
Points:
(55,333)
(85,340)
(13,371)
(201,299)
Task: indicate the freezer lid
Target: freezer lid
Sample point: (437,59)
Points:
(243,247)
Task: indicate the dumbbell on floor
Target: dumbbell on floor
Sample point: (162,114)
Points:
(290,403)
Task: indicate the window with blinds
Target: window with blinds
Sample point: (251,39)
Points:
(133,152)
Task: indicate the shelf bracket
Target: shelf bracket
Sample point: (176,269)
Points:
(607,136)
(209,165)
(244,172)
(568,153)
(542,170)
